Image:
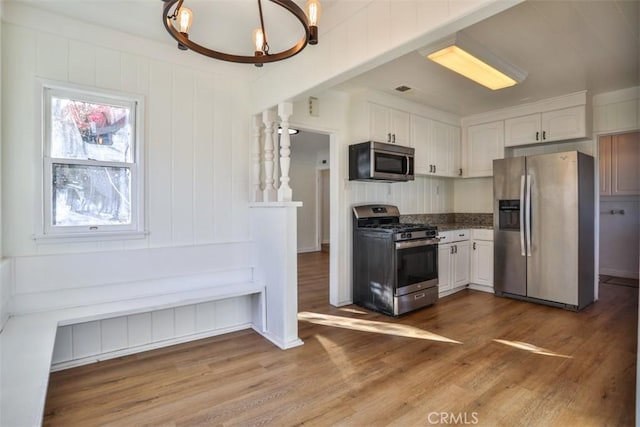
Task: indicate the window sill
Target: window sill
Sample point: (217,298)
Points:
(90,237)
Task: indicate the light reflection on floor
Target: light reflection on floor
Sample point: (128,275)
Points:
(352,310)
(372,326)
(532,348)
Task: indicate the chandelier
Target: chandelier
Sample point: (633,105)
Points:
(177,20)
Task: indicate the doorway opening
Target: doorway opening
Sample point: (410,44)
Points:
(619,166)
(310,181)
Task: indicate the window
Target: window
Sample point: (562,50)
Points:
(92,170)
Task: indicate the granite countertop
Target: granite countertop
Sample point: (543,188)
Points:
(462,225)
(452,221)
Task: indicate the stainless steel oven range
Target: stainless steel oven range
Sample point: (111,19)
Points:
(395,265)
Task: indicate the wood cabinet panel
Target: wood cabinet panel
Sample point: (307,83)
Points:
(604,164)
(625,162)
(619,164)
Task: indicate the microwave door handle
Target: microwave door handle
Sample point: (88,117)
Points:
(522,225)
(407,172)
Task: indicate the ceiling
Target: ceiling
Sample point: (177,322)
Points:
(564,46)
(230,31)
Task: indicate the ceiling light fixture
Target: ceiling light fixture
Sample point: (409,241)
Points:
(470,59)
(178,18)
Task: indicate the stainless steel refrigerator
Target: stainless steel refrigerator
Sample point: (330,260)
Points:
(544,228)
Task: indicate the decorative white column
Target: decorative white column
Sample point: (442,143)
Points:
(285,194)
(269,194)
(256,159)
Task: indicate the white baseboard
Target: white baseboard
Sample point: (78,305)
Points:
(311,249)
(141,348)
(284,345)
(619,273)
(483,288)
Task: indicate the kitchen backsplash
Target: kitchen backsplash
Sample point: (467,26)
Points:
(464,220)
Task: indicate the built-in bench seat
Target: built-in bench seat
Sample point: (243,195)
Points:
(27,341)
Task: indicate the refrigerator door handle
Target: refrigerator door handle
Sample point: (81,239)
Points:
(522,223)
(528,215)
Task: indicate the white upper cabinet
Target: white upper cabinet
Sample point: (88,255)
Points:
(555,125)
(437,147)
(388,125)
(484,143)
(445,149)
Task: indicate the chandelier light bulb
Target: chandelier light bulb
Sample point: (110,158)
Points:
(177,21)
(313,12)
(185,18)
(258,40)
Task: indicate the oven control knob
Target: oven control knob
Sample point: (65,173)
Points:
(406,235)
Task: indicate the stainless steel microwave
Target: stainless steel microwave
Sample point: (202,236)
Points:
(378,161)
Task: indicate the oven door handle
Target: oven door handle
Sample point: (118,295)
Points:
(417,243)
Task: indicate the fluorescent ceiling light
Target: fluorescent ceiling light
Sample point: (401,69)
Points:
(473,61)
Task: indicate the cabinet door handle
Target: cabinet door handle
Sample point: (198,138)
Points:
(455,249)
(388,137)
(460,172)
(451,249)
(544,134)
(537,136)
(394,138)
(474,246)
(435,168)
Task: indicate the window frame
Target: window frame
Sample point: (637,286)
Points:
(135,104)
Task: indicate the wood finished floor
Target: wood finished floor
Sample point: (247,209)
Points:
(347,377)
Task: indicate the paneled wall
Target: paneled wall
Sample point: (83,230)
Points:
(195,131)
(105,339)
(195,158)
(423,195)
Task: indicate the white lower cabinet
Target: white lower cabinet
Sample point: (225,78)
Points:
(453,261)
(482,260)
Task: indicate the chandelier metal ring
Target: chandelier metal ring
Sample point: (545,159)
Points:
(289,5)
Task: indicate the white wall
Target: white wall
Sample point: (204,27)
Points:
(619,235)
(473,195)
(195,126)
